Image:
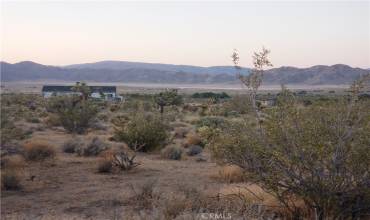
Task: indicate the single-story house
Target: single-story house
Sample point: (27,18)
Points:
(97,92)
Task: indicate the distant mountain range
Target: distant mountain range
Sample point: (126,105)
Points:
(135,72)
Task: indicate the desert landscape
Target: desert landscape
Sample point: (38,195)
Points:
(191,110)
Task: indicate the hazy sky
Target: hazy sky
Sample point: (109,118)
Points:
(298,34)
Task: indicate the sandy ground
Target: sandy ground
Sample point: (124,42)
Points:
(69,187)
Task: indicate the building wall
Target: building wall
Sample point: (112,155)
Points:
(96,95)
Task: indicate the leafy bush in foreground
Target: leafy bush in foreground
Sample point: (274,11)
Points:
(317,155)
(145,130)
(75,114)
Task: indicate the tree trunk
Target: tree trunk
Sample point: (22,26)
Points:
(319,213)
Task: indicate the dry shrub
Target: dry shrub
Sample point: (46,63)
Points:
(181,132)
(194,150)
(105,166)
(10,180)
(53,121)
(12,162)
(174,206)
(145,196)
(171,152)
(231,174)
(115,161)
(192,139)
(38,150)
(73,145)
(95,147)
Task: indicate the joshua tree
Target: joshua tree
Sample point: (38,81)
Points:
(81,87)
(167,98)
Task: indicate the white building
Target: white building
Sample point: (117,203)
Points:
(97,92)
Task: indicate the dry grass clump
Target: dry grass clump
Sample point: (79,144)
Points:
(145,196)
(38,150)
(231,174)
(10,173)
(172,153)
(105,166)
(192,139)
(181,132)
(73,145)
(10,179)
(12,162)
(53,121)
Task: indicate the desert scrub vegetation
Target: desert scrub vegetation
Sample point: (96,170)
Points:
(169,97)
(194,150)
(231,174)
(73,145)
(93,148)
(142,129)
(9,132)
(75,113)
(171,152)
(188,202)
(212,122)
(11,172)
(10,179)
(35,150)
(318,155)
(116,161)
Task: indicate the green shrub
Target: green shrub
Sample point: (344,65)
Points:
(9,131)
(240,104)
(171,152)
(212,122)
(146,130)
(75,114)
(207,95)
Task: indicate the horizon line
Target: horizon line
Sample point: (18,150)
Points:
(190,65)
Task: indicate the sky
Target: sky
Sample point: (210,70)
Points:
(300,34)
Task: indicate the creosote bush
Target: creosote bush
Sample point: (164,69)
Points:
(145,130)
(38,150)
(74,112)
